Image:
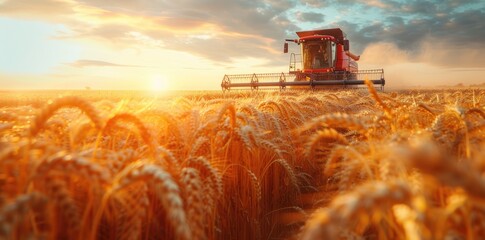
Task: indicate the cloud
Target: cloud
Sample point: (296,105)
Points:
(95,63)
(309,17)
(442,33)
(35,9)
(468,69)
(216,30)
(222,30)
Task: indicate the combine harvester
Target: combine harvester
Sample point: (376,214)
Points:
(325,62)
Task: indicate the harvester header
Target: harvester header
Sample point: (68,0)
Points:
(324,61)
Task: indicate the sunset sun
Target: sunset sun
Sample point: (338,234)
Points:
(159,83)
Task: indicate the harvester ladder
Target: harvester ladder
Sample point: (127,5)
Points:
(295,63)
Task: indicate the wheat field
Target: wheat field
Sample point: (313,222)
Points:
(339,164)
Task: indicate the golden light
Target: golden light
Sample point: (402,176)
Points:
(159,83)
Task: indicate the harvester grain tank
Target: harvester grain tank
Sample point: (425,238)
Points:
(325,61)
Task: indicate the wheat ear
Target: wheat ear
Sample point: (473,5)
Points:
(60,193)
(325,134)
(14,212)
(69,164)
(288,169)
(166,190)
(142,129)
(212,174)
(369,198)
(228,107)
(194,202)
(44,115)
(336,120)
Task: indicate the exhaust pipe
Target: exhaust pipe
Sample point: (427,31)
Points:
(353,56)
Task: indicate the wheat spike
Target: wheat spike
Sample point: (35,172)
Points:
(370,198)
(69,164)
(248,136)
(62,197)
(327,134)
(336,120)
(289,172)
(131,211)
(142,129)
(213,175)
(228,107)
(52,107)
(166,190)
(14,212)
(201,144)
(194,202)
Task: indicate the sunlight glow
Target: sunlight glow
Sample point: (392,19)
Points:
(159,83)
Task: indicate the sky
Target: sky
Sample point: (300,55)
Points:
(192,44)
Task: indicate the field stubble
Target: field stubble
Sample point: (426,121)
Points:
(345,164)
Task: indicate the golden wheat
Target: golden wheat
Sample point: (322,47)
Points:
(339,164)
(55,105)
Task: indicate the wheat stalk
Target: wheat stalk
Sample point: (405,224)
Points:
(375,96)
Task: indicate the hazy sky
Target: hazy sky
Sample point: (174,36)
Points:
(191,44)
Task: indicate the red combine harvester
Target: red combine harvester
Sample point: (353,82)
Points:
(325,62)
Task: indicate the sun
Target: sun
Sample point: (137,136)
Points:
(159,83)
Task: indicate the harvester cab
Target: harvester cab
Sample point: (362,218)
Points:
(324,61)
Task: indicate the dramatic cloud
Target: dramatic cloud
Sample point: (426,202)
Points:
(221,30)
(441,33)
(433,31)
(218,30)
